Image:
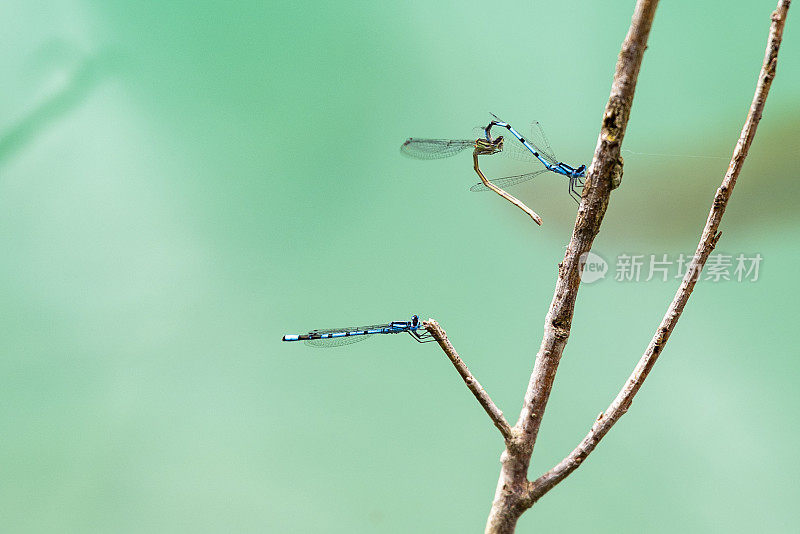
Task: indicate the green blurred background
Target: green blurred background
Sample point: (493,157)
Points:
(184,182)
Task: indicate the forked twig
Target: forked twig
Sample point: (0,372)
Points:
(515,493)
(474,386)
(708,241)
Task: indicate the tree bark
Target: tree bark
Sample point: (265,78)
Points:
(512,496)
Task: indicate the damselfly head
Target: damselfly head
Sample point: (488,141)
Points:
(487,132)
(484,147)
(414,320)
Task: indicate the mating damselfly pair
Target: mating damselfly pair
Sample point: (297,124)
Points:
(335,337)
(536,147)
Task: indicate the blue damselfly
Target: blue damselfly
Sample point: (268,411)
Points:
(537,147)
(335,337)
(540,148)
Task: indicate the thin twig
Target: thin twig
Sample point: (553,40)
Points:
(533,215)
(474,386)
(708,241)
(512,494)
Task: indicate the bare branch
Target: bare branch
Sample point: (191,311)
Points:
(708,241)
(518,203)
(512,488)
(474,386)
(590,216)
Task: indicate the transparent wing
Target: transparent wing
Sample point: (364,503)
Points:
(335,341)
(514,149)
(508,181)
(542,143)
(434,148)
(344,340)
(350,329)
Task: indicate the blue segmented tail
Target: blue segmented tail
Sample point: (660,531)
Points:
(336,337)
